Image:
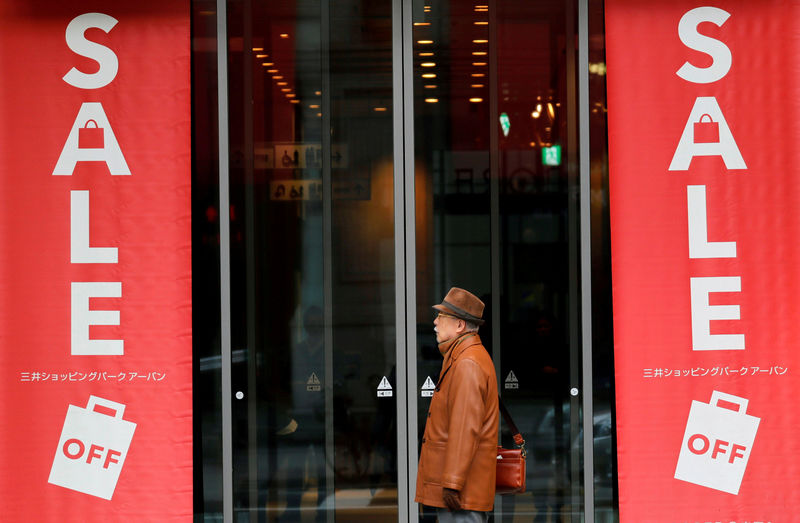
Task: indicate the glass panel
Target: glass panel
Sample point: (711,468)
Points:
(312,206)
(206,363)
(496,149)
(606,495)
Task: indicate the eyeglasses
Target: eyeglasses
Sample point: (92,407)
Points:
(445,315)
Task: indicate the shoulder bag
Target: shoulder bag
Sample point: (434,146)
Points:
(511,462)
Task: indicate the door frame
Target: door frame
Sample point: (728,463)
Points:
(405,252)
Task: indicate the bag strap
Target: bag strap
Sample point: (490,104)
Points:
(518,439)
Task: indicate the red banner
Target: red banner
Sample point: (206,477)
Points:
(704,121)
(95,261)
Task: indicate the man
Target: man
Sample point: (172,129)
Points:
(459,449)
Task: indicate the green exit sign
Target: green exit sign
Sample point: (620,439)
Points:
(551,155)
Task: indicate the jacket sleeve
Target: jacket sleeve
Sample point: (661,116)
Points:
(465,412)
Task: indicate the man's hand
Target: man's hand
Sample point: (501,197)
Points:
(452,499)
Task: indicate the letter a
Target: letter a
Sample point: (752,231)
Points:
(72,153)
(726,146)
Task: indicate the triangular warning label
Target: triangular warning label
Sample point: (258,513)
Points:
(313,379)
(384,384)
(428,385)
(511,378)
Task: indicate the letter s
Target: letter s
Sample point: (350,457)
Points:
(719,52)
(99,53)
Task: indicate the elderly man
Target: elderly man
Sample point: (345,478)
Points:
(459,449)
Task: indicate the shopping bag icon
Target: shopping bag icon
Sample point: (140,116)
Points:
(706,131)
(717,443)
(90,137)
(92,448)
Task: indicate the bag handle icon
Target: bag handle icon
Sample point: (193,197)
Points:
(86,125)
(729,398)
(701,119)
(119,408)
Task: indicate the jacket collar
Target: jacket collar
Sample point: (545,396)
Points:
(458,346)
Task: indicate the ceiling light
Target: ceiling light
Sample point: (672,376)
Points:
(429,75)
(282,83)
(479,53)
(284,35)
(479,64)
(428,64)
(480,41)
(431,100)
(272,70)
(277,77)
(314,106)
(379,109)
(258,49)
(424,42)
(422,23)
(268,64)
(476,85)
(430,87)
(262,56)
(476,100)
(477,75)
(481,22)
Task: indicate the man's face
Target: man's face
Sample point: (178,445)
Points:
(446,327)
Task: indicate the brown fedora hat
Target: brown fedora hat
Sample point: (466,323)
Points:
(462,304)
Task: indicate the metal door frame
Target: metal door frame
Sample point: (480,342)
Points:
(405,256)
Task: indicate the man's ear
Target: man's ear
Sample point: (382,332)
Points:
(462,325)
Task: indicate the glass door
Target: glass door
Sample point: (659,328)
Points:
(328,379)
(495,134)
(312,261)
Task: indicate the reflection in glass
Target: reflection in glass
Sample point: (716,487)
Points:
(312,261)
(496,141)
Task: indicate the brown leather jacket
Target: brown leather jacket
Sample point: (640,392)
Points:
(459,448)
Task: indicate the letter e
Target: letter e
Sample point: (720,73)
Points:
(703,313)
(83,317)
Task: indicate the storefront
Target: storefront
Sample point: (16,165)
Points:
(380,153)
(279,193)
